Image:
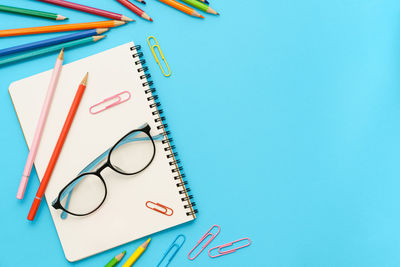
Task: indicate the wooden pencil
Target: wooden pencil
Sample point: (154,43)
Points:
(135,9)
(181,7)
(115,260)
(88,9)
(57,149)
(31,12)
(51,41)
(40,125)
(46,50)
(202,6)
(61,28)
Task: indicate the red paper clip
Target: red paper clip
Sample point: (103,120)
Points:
(222,253)
(118,99)
(202,239)
(166,210)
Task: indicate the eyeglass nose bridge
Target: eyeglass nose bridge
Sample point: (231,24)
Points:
(102,167)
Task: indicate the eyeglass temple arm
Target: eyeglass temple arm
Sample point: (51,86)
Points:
(68,192)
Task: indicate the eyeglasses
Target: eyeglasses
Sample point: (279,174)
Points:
(132,154)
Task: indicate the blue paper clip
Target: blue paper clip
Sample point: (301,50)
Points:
(174,244)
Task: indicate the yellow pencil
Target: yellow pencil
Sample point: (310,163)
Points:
(138,252)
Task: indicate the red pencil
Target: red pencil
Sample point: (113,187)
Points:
(57,149)
(135,9)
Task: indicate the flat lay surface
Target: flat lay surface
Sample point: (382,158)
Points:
(285,116)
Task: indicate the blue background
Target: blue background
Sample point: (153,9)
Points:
(286,117)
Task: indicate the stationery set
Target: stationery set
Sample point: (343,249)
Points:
(118,177)
(104,154)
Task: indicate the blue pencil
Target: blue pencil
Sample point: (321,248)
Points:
(52,41)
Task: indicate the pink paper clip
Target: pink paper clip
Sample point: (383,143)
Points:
(222,253)
(119,99)
(202,239)
(165,210)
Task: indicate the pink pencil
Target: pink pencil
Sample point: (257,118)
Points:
(40,126)
(88,9)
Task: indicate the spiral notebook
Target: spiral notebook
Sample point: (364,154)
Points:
(124,216)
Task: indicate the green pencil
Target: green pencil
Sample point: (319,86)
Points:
(31,12)
(201,6)
(115,260)
(49,49)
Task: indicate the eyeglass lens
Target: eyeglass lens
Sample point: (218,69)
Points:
(130,155)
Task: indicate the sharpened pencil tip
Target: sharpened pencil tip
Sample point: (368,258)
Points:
(61,55)
(145,16)
(212,11)
(59,17)
(125,18)
(98,37)
(119,22)
(145,244)
(197,14)
(120,256)
(101,30)
(84,81)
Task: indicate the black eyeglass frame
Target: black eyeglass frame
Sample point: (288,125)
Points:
(57,203)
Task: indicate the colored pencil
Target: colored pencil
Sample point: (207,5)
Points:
(57,149)
(30,12)
(88,9)
(135,9)
(138,252)
(50,49)
(115,260)
(52,41)
(182,7)
(201,6)
(40,125)
(141,1)
(205,1)
(61,28)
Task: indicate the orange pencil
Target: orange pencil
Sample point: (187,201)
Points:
(181,7)
(61,28)
(57,149)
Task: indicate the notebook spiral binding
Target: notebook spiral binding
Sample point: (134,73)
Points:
(175,163)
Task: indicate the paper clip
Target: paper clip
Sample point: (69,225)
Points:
(222,253)
(161,54)
(202,239)
(165,210)
(175,244)
(119,99)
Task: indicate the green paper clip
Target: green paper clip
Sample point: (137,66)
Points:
(161,54)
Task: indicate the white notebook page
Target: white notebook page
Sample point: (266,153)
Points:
(123,217)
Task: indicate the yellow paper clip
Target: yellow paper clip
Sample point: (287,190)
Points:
(161,54)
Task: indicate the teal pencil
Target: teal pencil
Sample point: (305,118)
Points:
(50,49)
